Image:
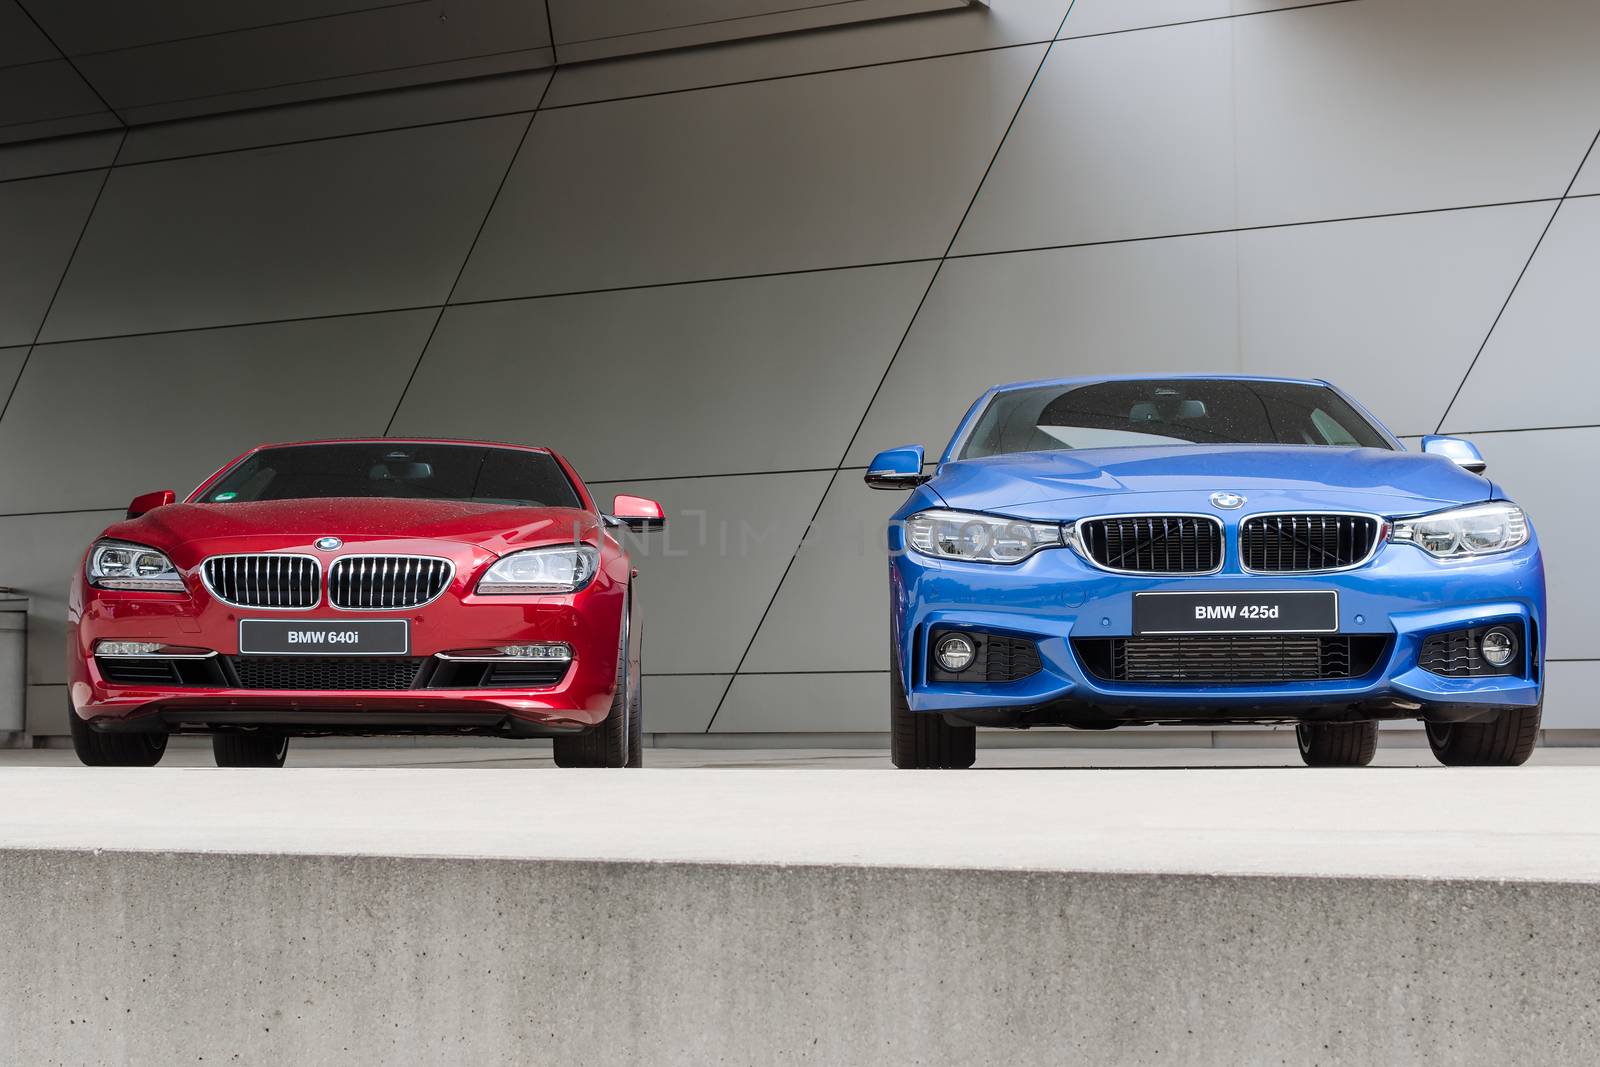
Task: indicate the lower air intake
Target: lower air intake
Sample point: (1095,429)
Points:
(326,672)
(1234,659)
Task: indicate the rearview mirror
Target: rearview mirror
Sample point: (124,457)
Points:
(898,468)
(638,513)
(149,502)
(1463,454)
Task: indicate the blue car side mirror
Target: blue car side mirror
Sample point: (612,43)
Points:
(898,468)
(1464,454)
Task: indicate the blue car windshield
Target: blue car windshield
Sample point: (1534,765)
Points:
(1178,411)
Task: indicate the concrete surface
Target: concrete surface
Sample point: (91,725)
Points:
(425,914)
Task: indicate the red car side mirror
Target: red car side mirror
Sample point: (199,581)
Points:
(149,502)
(638,513)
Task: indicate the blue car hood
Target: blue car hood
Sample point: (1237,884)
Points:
(1070,484)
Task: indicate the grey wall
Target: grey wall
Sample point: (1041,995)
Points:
(765,260)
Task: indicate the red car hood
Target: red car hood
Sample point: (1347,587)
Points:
(208,528)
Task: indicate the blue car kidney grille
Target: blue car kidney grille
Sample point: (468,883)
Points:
(1307,542)
(1154,544)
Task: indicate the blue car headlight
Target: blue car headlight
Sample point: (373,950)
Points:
(979,538)
(1460,533)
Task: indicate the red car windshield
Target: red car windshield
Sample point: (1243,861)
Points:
(399,470)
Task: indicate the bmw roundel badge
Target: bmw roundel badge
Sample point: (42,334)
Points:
(1225,500)
(328,544)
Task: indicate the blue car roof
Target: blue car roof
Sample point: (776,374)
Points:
(1091,379)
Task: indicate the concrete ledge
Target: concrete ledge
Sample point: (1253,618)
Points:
(740,916)
(171,957)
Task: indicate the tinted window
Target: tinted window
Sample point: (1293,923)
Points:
(398,469)
(1172,412)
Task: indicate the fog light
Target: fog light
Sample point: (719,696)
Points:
(1498,646)
(955,652)
(127,648)
(548,653)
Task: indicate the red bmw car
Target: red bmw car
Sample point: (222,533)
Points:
(374,586)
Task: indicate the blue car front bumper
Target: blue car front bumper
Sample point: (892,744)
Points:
(1056,598)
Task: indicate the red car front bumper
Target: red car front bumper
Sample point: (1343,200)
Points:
(589,622)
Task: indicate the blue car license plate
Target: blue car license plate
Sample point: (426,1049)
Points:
(1287,611)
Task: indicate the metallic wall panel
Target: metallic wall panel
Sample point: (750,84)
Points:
(703,22)
(707,579)
(1390,309)
(832,613)
(238,388)
(366,223)
(338,117)
(1090,17)
(58,155)
(40,220)
(761,374)
(1123,136)
(998,24)
(1541,366)
(805,703)
(680,703)
(107,25)
(20,40)
(1263,120)
(302,57)
(1569,695)
(826,170)
(45,100)
(1331,100)
(11,360)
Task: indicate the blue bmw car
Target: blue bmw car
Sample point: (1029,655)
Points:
(1103,552)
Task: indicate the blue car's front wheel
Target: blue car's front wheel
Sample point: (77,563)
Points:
(1507,740)
(925,741)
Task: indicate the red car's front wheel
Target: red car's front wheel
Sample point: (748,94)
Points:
(619,741)
(96,749)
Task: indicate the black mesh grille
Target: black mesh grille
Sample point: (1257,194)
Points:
(265,581)
(137,671)
(1234,658)
(1305,542)
(1154,544)
(1458,654)
(326,672)
(523,675)
(375,583)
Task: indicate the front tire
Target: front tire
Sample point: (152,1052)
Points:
(96,749)
(1337,744)
(1507,740)
(924,741)
(619,741)
(254,749)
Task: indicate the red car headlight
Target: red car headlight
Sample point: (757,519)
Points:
(122,565)
(542,570)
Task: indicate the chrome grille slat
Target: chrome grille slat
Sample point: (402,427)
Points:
(1153,544)
(273,581)
(387,583)
(1307,541)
